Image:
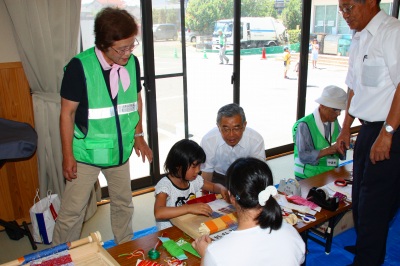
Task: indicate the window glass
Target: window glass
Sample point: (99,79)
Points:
(208,80)
(267,94)
(387,7)
(166,28)
(170,115)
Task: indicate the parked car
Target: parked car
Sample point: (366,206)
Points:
(190,35)
(165,32)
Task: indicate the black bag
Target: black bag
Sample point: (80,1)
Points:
(320,197)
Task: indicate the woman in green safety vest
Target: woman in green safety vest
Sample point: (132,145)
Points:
(314,136)
(100,125)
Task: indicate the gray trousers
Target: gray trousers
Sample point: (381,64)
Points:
(75,200)
(222,55)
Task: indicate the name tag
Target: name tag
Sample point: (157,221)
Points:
(332,162)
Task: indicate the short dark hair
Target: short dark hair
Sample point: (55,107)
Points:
(182,155)
(247,177)
(230,110)
(113,24)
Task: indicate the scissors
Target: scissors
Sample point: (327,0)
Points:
(307,218)
(340,182)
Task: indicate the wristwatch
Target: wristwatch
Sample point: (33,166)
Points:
(389,129)
(139,135)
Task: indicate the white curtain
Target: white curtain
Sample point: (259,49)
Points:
(47,34)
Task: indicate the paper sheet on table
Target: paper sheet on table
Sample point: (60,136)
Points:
(221,206)
(332,188)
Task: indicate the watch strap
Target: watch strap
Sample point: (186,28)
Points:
(139,135)
(388,128)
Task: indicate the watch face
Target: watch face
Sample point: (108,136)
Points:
(389,129)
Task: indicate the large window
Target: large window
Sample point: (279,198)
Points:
(185,83)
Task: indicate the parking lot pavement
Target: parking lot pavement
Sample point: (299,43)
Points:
(270,101)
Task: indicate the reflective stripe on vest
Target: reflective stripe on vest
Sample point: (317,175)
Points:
(101,113)
(109,139)
(298,166)
(307,170)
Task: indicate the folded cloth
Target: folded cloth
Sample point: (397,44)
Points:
(218,224)
(303,201)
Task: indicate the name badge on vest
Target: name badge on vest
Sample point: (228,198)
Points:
(332,162)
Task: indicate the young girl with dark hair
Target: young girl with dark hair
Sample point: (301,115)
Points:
(183,183)
(261,238)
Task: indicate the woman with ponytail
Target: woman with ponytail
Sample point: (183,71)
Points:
(261,237)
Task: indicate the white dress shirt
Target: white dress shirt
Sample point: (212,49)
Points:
(221,155)
(373,73)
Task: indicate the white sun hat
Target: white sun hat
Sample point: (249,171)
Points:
(333,97)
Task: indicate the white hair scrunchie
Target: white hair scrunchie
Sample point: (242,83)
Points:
(264,195)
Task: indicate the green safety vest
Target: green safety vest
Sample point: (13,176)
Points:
(111,129)
(307,170)
(222,39)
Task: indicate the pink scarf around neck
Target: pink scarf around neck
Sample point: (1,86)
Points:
(123,74)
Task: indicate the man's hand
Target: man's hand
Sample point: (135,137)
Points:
(380,150)
(69,167)
(343,141)
(142,149)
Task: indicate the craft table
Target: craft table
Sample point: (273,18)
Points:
(331,216)
(148,242)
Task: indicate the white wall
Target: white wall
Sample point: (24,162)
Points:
(8,47)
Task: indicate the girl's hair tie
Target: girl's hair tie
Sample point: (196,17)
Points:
(264,195)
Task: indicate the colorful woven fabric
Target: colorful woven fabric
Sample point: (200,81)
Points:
(218,224)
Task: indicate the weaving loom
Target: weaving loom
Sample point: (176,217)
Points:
(196,225)
(85,251)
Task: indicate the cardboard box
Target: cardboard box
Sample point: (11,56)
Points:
(344,224)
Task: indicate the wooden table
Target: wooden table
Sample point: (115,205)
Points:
(331,216)
(148,242)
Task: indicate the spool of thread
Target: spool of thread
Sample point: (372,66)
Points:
(153,254)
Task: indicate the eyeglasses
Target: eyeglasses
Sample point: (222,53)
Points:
(345,10)
(336,110)
(128,49)
(235,130)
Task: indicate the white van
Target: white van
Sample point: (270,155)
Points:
(254,32)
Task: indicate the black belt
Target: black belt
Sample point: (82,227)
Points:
(371,123)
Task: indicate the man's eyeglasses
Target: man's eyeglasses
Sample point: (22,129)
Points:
(128,49)
(336,110)
(346,10)
(227,130)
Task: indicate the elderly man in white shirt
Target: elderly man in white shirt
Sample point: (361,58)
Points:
(230,140)
(374,98)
